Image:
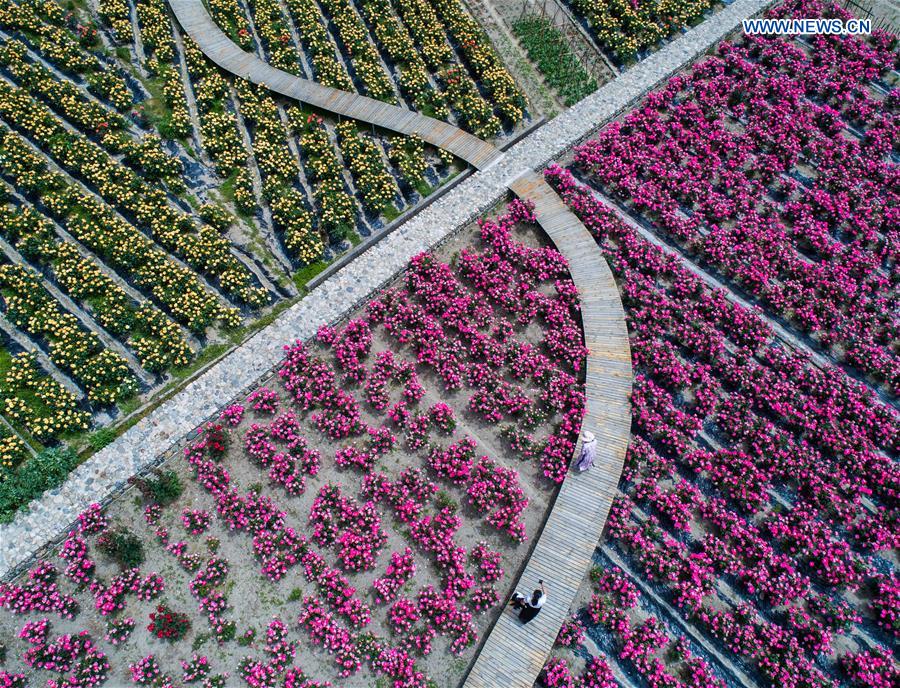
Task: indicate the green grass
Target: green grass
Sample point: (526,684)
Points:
(390,213)
(208,354)
(307,272)
(550,51)
(424,188)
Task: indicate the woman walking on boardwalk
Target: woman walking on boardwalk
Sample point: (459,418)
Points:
(588,451)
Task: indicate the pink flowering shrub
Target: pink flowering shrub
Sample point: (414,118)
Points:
(119,630)
(596,674)
(263,400)
(195,669)
(232,415)
(571,633)
(403,615)
(401,569)
(195,521)
(872,668)
(146,671)
(556,674)
(92,521)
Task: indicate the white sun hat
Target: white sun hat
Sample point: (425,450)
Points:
(587,436)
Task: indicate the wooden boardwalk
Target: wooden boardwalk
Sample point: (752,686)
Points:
(513,655)
(218,47)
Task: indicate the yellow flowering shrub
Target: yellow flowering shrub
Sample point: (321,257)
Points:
(231,18)
(117,14)
(328,70)
(363,55)
(35,401)
(361,155)
(408,154)
(12,452)
(103,374)
(156,33)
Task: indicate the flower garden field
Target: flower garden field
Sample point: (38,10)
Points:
(749,211)
(153,210)
(357,518)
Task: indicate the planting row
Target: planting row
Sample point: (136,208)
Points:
(627,30)
(758,501)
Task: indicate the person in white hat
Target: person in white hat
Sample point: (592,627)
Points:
(588,451)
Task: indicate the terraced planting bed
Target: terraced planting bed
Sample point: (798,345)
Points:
(155,210)
(748,211)
(377,495)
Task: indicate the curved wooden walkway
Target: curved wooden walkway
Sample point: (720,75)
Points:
(512,656)
(218,47)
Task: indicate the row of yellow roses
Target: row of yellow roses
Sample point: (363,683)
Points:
(308,19)
(399,46)
(202,248)
(155,339)
(361,155)
(117,14)
(336,207)
(156,33)
(474,113)
(12,452)
(232,20)
(459,90)
(120,245)
(408,155)
(218,126)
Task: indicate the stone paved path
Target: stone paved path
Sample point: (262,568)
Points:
(176,418)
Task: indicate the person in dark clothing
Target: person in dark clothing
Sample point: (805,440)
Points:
(529,608)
